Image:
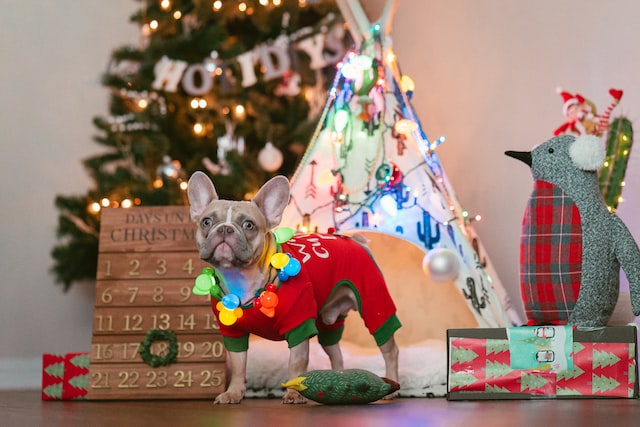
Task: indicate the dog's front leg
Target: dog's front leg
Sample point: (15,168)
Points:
(298,362)
(238,382)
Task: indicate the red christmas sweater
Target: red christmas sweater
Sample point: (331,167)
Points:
(327,261)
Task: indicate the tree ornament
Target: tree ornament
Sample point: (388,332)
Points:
(270,158)
(441,265)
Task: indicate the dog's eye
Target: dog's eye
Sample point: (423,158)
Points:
(206,222)
(550,150)
(248,225)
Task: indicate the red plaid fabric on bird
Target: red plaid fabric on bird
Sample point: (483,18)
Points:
(550,255)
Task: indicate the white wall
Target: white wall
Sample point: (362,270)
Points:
(53,55)
(486,73)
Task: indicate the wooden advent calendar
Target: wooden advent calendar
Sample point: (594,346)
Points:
(147,264)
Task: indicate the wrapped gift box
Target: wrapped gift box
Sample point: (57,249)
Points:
(65,376)
(542,362)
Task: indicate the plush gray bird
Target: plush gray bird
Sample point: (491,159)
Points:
(572,247)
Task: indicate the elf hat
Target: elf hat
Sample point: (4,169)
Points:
(569,100)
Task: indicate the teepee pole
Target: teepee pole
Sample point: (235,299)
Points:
(356,19)
(386,19)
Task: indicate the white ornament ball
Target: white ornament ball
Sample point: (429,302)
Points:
(441,265)
(270,158)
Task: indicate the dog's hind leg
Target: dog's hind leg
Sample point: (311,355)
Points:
(335,356)
(390,354)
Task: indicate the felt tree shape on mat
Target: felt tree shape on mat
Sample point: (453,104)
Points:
(231,88)
(371,167)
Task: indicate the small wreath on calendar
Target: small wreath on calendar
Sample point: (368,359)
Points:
(155,360)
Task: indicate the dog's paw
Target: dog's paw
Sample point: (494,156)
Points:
(293,397)
(391,396)
(228,397)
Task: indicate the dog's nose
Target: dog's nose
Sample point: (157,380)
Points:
(225,229)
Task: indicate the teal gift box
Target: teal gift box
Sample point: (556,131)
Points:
(542,362)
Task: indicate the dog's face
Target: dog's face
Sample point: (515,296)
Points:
(233,233)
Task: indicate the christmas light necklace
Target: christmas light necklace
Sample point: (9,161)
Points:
(229,305)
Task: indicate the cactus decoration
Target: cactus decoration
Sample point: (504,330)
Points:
(611,178)
(428,233)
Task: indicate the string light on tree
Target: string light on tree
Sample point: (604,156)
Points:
(199,129)
(174,90)
(405,127)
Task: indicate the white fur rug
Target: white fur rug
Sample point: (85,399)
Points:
(422,367)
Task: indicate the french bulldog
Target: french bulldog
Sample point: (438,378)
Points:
(336,274)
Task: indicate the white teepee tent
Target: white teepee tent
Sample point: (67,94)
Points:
(371,169)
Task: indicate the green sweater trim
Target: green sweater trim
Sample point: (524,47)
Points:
(386,331)
(236,345)
(305,330)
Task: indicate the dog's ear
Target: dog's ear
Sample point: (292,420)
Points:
(201,193)
(272,198)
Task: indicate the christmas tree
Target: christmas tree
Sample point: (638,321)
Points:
(230,87)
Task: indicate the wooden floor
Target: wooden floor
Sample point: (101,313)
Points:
(25,409)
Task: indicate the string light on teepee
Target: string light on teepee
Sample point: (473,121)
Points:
(407,85)
(341,119)
(437,142)
(405,127)
(389,205)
